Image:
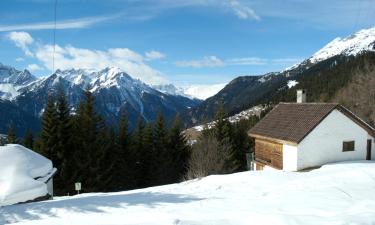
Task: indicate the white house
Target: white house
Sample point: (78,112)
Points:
(24,175)
(296,136)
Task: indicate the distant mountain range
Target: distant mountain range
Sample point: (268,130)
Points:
(340,62)
(328,75)
(23,96)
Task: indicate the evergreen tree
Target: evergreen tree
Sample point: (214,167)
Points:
(64,145)
(48,137)
(178,150)
(11,135)
(28,139)
(223,128)
(223,132)
(103,168)
(162,157)
(120,156)
(242,143)
(86,129)
(147,157)
(134,157)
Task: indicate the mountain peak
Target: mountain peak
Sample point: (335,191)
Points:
(363,40)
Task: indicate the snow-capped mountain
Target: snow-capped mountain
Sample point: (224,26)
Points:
(115,92)
(11,80)
(352,45)
(199,91)
(363,40)
(247,91)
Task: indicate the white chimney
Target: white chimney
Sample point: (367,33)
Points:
(301,96)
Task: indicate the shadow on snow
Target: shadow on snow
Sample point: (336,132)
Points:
(36,210)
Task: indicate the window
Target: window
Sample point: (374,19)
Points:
(348,146)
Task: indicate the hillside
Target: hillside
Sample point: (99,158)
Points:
(328,75)
(334,194)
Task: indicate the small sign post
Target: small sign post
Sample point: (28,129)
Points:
(77,187)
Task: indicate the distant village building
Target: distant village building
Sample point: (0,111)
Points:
(24,175)
(296,136)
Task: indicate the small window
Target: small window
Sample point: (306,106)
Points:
(348,146)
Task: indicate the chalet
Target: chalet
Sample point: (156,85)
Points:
(297,136)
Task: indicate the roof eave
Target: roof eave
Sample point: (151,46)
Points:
(271,139)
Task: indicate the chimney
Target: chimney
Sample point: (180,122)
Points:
(301,96)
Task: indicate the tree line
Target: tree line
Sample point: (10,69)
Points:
(111,158)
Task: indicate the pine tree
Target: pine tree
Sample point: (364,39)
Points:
(86,156)
(134,160)
(28,139)
(147,156)
(103,167)
(48,136)
(162,158)
(223,132)
(11,135)
(179,151)
(223,127)
(121,154)
(64,146)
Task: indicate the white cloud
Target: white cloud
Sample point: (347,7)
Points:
(19,59)
(287,60)
(33,67)
(21,40)
(214,61)
(247,61)
(151,55)
(207,61)
(241,10)
(67,57)
(64,24)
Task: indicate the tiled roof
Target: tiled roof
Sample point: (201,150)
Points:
(293,121)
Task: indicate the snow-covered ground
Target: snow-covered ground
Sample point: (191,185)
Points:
(334,194)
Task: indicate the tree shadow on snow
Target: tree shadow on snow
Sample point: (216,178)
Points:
(97,203)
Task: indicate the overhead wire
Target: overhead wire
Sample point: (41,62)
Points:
(54,37)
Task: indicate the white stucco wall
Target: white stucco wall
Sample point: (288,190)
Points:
(289,157)
(324,144)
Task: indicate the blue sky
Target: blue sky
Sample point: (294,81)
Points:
(179,41)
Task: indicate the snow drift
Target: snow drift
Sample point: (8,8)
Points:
(334,194)
(22,174)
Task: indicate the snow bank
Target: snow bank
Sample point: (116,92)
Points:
(334,194)
(19,167)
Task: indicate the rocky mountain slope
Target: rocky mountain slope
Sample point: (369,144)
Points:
(314,74)
(115,92)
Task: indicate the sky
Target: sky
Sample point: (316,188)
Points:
(184,42)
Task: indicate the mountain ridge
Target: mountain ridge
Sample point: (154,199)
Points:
(115,92)
(247,91)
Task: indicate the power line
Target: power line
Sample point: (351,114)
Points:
(54,39)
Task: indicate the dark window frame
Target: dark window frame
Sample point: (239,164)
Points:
(348,146)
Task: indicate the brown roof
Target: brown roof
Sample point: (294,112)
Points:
(291,122)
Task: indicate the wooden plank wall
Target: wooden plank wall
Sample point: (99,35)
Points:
(269,152)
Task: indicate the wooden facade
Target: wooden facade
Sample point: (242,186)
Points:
(269,153)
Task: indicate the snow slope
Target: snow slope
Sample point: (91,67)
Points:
(18,168)
(363,40)
(199,91)
(334,194)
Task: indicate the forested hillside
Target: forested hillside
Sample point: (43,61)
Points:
(345,79)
